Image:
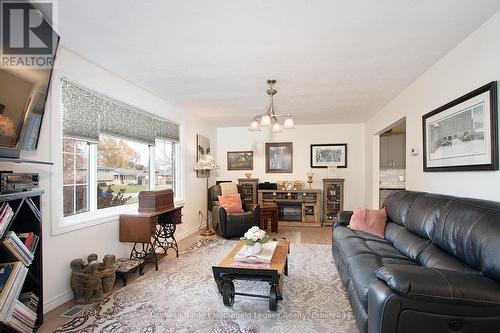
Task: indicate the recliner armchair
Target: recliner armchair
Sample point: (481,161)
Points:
(234,224)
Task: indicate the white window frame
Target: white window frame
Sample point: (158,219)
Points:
(94,217)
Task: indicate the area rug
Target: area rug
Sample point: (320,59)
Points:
(182,297)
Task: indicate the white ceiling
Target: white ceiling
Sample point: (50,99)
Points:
(335,61)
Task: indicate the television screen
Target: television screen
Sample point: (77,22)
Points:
(24,86)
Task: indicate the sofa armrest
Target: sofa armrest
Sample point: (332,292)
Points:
(219,217)
(249,207)
(344,218)
(439,285)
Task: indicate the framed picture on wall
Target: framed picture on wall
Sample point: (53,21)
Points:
(463,134)
(279,157)
(240,160)
(202,148)
(325,155)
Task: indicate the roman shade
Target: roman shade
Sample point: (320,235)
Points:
(86,114)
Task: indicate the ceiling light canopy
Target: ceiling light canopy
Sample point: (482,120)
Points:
(271,117)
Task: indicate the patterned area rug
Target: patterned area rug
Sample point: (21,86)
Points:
(182,297)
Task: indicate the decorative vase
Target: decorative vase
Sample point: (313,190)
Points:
(254,249)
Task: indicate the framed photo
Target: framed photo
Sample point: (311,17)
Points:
(462,135)
(279,157)
(202,148)
(325,155)
(240,160)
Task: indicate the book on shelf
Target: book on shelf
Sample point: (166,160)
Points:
(30,240)
(34,208)
(6,214)
(12,276)
(17,248)
(30,300)
(22,318)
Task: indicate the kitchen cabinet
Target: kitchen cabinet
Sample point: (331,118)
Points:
(393,151)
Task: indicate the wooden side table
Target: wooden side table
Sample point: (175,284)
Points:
(268,212)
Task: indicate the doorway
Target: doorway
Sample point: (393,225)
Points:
(392,160)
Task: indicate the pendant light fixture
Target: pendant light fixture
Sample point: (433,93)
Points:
(270,117)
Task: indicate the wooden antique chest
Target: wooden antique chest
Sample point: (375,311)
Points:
(153,201)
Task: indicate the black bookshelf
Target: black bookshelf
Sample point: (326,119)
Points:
(27,218)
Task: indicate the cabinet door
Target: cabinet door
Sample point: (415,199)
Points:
(385,151)
(398,150)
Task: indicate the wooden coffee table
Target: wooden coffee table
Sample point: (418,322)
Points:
(225,272)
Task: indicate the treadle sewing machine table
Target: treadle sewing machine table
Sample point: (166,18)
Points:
(226,271)
(151,231)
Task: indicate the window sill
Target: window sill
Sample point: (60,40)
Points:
(88,220)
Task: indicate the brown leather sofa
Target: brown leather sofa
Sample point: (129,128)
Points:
(437,270)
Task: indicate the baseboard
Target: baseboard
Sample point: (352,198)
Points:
(54,302)
(68,294)
(187,233)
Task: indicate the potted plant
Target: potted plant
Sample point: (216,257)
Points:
(254,238)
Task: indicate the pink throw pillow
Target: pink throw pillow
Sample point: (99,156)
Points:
(371,221)
(231,203)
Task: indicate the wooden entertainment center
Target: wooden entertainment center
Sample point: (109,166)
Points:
(295,207)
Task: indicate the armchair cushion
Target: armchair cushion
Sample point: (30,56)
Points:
(231,203)
(439,285)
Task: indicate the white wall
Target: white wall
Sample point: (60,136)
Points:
(473,63)
(240,138)
(59,250)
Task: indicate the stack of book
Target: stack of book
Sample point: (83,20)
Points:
(30,300)
(6,214)
(17,248)
(22,319)
(30,240)
(12,275)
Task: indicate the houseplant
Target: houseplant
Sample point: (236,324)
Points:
(254,238)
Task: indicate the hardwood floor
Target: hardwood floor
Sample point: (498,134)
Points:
(323,235)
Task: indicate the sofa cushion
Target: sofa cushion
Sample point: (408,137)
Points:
(369,220)
(433,256)
(425,212)
(406,242)
(352,243)
(469,229)
(398,205)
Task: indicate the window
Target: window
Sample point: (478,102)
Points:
(75,177)
(119,168)
(164,164)
(122,171)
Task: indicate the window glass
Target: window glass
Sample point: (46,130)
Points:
(75,176)
(164,164)
(122,171)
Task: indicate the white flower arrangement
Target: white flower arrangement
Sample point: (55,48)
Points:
(255,235)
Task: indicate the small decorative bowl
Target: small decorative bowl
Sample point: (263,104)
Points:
(248,174)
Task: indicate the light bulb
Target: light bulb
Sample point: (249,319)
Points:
(276,127)
(288,123)
(265,120)
(254,126)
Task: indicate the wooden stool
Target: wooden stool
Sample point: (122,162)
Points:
(268,212)
(126,266)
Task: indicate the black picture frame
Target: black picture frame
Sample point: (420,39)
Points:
(462,137)
(233,156)
(314,162)
(286,157)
